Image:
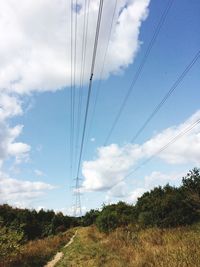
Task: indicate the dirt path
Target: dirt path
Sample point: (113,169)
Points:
(59,255)
(53,262)
(71,240)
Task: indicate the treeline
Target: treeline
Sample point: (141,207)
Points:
(162,207)
(32,224)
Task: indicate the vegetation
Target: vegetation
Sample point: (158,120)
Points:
(34,224)
(89,218)
(115,215)
(133,247)
(30,238)
(10,242)
(161,229)
(157,231)
(34,253)
(161,207)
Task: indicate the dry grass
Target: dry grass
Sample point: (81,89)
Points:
(86,249)
(154,247)
(129,247)
(37,253)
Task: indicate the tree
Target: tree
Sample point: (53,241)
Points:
(191,190)
(115,215)
(90,217)
(191,182)
(107,221)
(164,207)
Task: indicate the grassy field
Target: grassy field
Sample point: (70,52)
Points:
(36,253)
(129,247)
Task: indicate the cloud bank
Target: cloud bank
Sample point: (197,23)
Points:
(113,162)
(35,52)
(13,191)
(35,41)
(9,107)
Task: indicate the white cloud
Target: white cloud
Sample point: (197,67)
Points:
(92,139)
(8,145)
(69,211)
(155,179)
(113,162)
(135,194)
(13,191)
(35,56)
(125,192)
(35,41)
(109,168)
(184,150)
(119,190)
(9,106)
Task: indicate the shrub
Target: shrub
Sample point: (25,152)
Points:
(145,218)
(107,221)
(38,252)
(90,217)
(115,215)
(10,243)
(165,207)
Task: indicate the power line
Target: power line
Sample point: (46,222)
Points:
(90,82)
(169,93)
(78,200)
(174,86)
(77,206)
(72,95)
(173,140)
(140,68)
(83,55)
(71,91)
(74,76)
(102,69)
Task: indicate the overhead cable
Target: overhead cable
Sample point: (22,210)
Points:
(140,68)
(90,82)
(168,94)
(172,141)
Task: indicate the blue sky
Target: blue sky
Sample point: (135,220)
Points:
(35,172)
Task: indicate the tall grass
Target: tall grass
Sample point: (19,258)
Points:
(178,247)
(131,247)
(37,253)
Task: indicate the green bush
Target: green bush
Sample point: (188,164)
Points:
(170,206)
(163,207)
(115,215)
(35,224)
(145,218)
(107,221)
(10,243)
(90,217)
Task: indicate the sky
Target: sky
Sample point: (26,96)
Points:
(35,88)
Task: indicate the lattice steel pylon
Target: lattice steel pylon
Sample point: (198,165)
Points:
(77,204)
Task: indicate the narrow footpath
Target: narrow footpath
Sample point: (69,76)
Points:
(59,255)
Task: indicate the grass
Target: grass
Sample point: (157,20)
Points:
(129,247)
(86,249)
(125,247)
(37,253)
